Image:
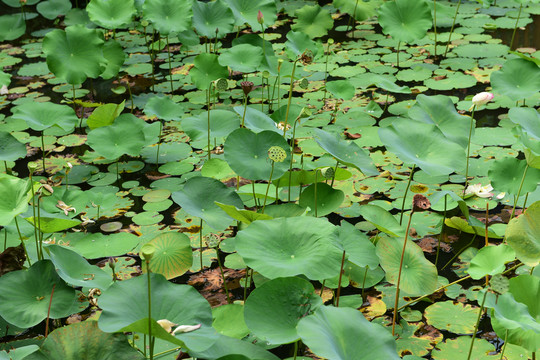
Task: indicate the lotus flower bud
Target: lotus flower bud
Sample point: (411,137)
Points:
(279,63)
(247,86)
(481,99)
(260,17)
(277,154)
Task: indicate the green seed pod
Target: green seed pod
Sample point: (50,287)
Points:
(327,172)
(147,251)
(304,83)
(221,84)
(212,240)
(330,41)
(32,166)
(277,154)
(144,23)
(266,74)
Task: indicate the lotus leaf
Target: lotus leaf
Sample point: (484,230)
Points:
(74,54)
(227,348)
(266,246)
(344,334)
(173,256)
(15,195)
(273,310)
(10,148)
(212,19)
(206,69)
(245,11)
(325,198)
(313,21)
(341,89)
(163,108)
(298,42)
(11,27)
(529,120)
(245,58)
(104,115)
(40,116)
(229,320)
(523,235)
(53,223)
(490,260)
(458,349)
(518,79)
(242,215)
(359,10)
(26,295)
(256,120)
(168,16)
(115,56)
(360,250)
(51,9)
(382,219)
(454,317)
(97,245)
(506,175)
(222,123)
(111,14)
(405,20)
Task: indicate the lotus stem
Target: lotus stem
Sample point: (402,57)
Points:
(441,234)
(394,318)
(245,109)
(262,77)
(397,53)
(290,96)
(151,56)
(22,241)
(340,276)
(364,284)
(322,288)
(151,342)
(315,193)
(525,202)
(468,152)
(486,235)
(476,325)
(268,187)
(504,346)
(334,174)
(353,19)
(292,158)
(43,153)
(170,65)
(326,66)
(8,170)
(49,312)
(30,175)
(200,244)
(519,191)
(452,29)
(435,25)
(254,196)
(459,252)
(223,278)
(208,120)
(40,233)
(515,27)
(130,97)
(405,196)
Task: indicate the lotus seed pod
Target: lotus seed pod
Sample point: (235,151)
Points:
(327,172)
(247,87)
(266,74)
(304,83)
(499,283)
(147,251)
(32,166)
(213,240)
(277,154)
(330,41)
(221,84)
(144,23)
(420,203)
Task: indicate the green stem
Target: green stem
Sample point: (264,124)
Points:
(254,196)
(397,53)
(159,142)
(435,25)
(296,348)
(36,239)
(43,152)
(291,161)
(441,234)
(394,318)
(459,252)
(515,27)
(22,241)
(246,283)
(364,284)
(290,97)
(200,244)
(326,68)
(405,196)
(452,29)
(315,193)
(170,65)
(468,152)
(476,325)
(208,108)
(149,309)
(519,191)
(268,187)
(40,233)
(245,109)
(334,175)
(340,276)
(223,277)
(504,346)
(8,171)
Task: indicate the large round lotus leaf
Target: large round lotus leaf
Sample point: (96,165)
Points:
(344,334)
(247,154)
(104,115)
(256,120)
(480,51)
(51,9)
(490,260)
(115,56)
(213,19)
(229,320)
(418,275)
(96,245)
(15,194)
(111,14)
(75,270)
(245,11)
(11,27)
(168,15)
(291,246)
(26,295)
(124,136)
(324,197)
(382,219)
(198,198)
(405,20)
(518,79)
(313,21)
(273,310)
(360,250)
(525,290)
(529,119)
(506,175)
(53,223)
(164,108)
(10,148)
(347,152)
(74,54)
(424,145)
(511,314)
(84,340)
(454,317)
(222,123)
(125,309)
(440,110)
(206,69)
(234,349)
(458,349)
(245,58)
(172,256)
(297,43)
(42,115)
(387,84)
(523,235)
(341,89)
(359,10)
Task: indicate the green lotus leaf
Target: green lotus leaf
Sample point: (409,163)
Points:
(418,275)
(480,50)
(124,136)
(198,198)
(222,123)
(525,290)
(245,58)
(245,11)
(423,145)
(10,148)
(212,19)
(97,245)
(405,20)
(256,120)
(115,56)
(75,270)
(40,116)
(360,250)
(490,260)
(518,79)
(173,255)
(15,195)
(297,43)
(180,304)
(228,348)
(26,295)
(242,215)
(247,154)
(74,54)
(359,10)
(5,79)
(344,334)
(382,220)
(510,314)
(273,310)
(229,320)
(266,247)
(11,27)
(84,340)
(458,349)
(506,175)
(104,115)
(269,61)
(111,14)
(523,235)
(454,317)
(440,110)
(313,21)
(53,223)
(451,81)
(164,108)
(387,84)
(529,121)
(322,196)
(470,226)
(168,16)
(207,69)
(347,152)
(51,9)
(341,89)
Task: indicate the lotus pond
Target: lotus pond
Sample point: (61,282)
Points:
(269,179)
